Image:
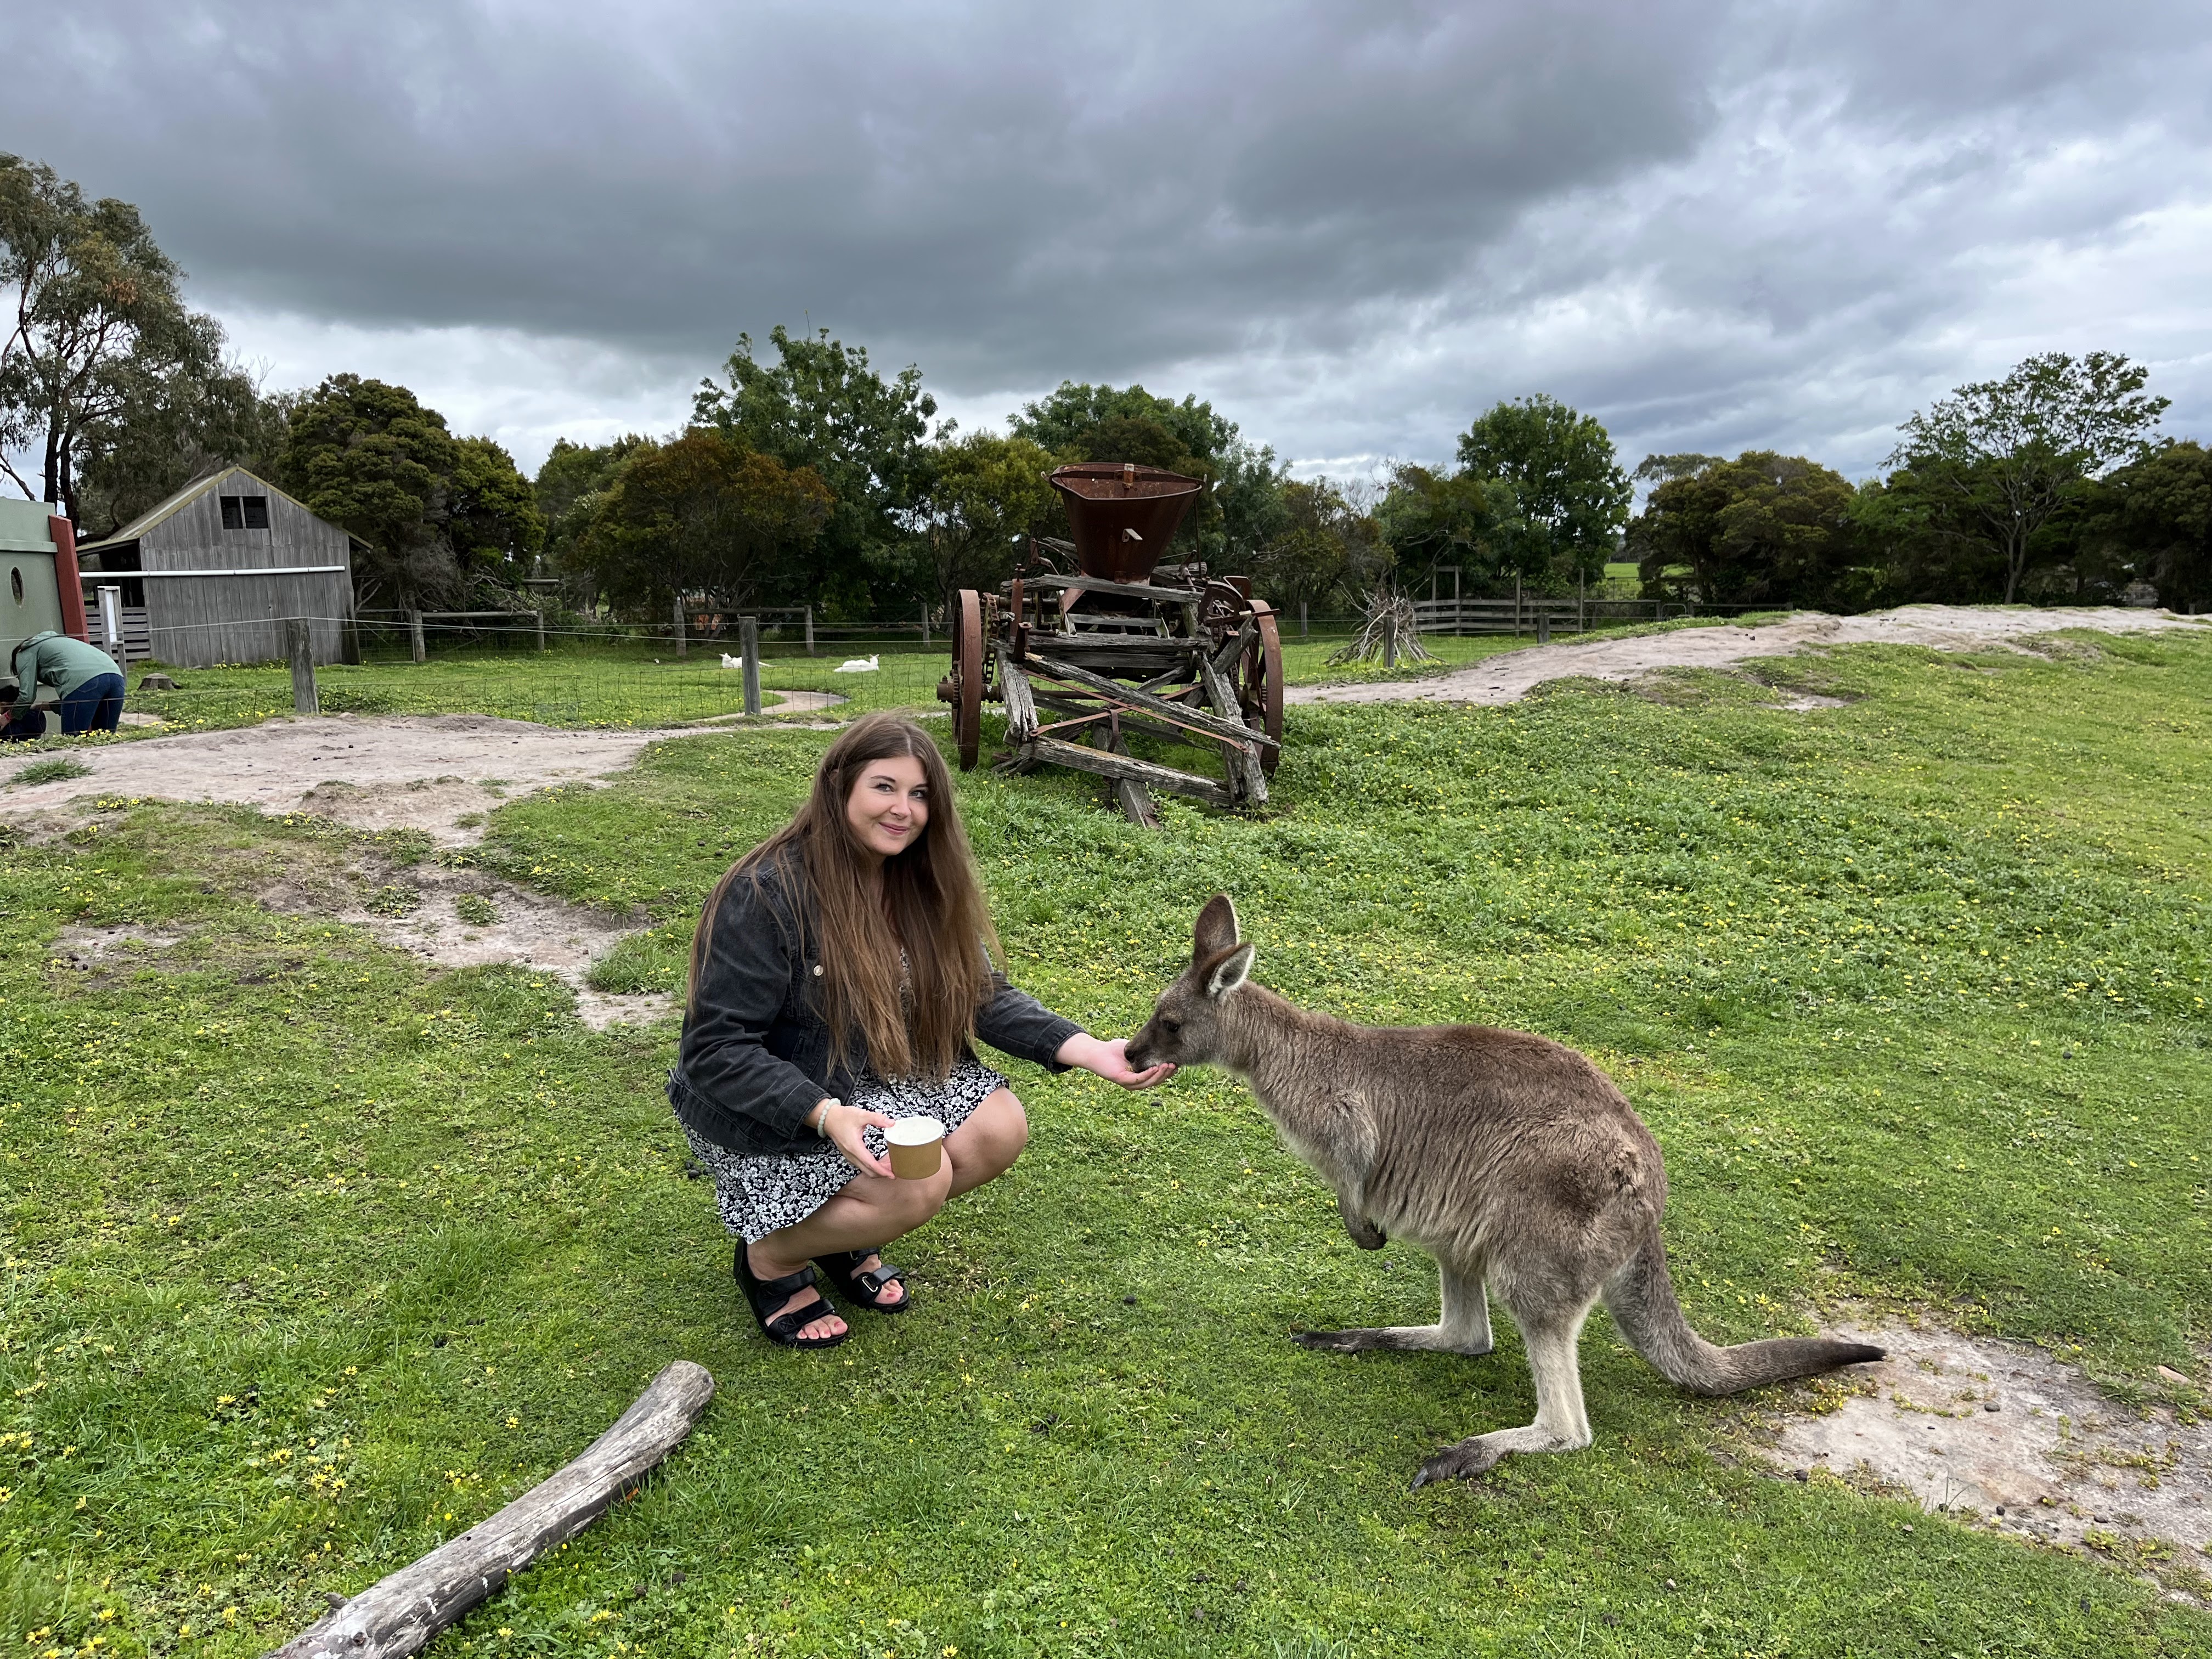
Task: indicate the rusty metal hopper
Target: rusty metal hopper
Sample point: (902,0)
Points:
(1122,516)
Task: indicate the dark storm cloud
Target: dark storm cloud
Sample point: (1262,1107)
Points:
(984,184)
(1355,225)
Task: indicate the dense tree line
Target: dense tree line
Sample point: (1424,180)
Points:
(806,476)
(2047,485)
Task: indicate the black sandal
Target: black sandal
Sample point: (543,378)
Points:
(865,1284)
(763,1294)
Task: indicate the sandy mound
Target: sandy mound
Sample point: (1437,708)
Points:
(1510,677)
(2004,1432)
(455,917)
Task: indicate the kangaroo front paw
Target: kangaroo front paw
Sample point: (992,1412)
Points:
(1461,1463)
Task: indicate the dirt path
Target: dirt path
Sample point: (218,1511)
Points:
(371,772)
(1512,676)
(440,773)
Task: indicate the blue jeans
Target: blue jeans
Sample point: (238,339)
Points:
(96,706)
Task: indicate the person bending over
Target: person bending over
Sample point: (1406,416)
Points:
(839,973)
(84,677)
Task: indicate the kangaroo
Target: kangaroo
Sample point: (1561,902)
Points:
(1510,1158)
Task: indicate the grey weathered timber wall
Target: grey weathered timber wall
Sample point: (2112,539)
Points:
(197,621)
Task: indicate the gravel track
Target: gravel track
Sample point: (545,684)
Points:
(1510,676)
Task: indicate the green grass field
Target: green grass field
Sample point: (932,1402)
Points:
(314,1257)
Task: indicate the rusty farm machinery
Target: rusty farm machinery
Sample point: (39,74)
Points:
(1098,640)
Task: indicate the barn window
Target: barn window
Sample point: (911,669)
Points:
(233,514)
(257,511)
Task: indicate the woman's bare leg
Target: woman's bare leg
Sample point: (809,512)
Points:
(985,1146)
(868,1213)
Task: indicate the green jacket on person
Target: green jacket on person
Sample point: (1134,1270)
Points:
(56,659)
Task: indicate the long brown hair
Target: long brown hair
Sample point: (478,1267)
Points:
(935,903)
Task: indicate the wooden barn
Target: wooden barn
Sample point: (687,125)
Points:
(213,574)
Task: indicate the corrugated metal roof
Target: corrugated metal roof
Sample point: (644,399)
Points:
(191,492)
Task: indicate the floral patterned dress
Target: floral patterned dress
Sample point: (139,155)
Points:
(760,1193)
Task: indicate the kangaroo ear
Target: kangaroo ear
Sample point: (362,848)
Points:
(1232,971)
(1217,928)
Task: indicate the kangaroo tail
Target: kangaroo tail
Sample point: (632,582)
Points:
(1641,1296)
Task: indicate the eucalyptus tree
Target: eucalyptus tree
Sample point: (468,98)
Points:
(1998,461)
(1762,529)
(2159,512)
(986,492)
(704,514)
(439,515)
(823,406)
(1556,496)
(98,325)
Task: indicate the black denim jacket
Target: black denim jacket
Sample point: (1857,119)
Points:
(756,1053)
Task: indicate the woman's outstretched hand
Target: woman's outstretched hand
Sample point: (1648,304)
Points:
(843,1125)
(1110,1061)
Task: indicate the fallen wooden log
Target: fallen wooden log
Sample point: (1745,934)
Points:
(397,1615)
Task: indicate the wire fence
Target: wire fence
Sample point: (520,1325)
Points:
(565,671)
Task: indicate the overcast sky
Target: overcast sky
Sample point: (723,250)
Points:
(1352,228)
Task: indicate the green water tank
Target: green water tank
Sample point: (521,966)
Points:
(30,592)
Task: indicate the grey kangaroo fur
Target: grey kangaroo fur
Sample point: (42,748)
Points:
(1510,1158)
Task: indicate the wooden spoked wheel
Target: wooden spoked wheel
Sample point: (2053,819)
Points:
(1260,694)
(968,676)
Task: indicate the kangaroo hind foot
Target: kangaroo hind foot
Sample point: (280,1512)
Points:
(1409,1339)
(1481,1453)
(1561,1424)
(1463,1328)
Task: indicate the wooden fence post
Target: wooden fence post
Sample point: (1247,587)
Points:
(925,623)
(748,649)
(540,616)
(679,625)
(299,646)
(1581,602)
(1543,622)
(1517,607)
(1302,619)
(414,634)
(809,630)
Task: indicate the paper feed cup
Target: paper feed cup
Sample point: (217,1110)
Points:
(917,1147)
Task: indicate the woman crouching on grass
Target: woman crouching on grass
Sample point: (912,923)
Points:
(839,971)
